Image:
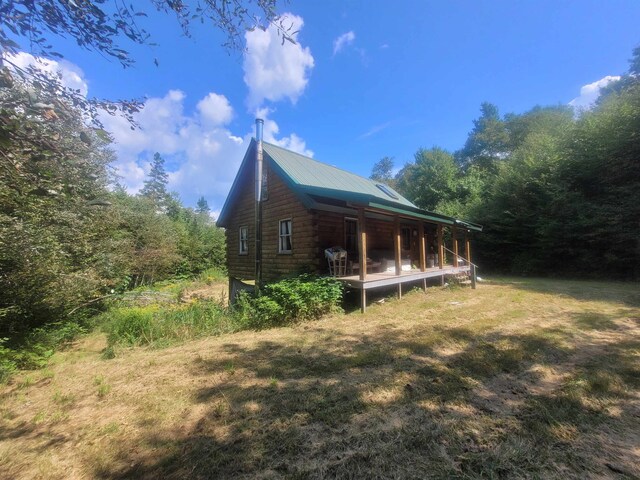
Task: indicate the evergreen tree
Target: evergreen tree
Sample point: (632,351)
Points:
(155,186)
(202,207)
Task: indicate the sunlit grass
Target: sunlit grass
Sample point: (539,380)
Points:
(517,379)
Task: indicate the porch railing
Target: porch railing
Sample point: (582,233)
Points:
(472,266)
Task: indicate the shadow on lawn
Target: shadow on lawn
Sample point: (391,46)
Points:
(382,407)
(626,293)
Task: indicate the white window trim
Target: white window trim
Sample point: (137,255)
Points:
(240,252)
(285,252)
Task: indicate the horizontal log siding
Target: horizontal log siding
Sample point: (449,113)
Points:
(242,266)
(283,204)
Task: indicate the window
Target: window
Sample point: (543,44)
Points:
(244,240)
(284,244)
(351,235)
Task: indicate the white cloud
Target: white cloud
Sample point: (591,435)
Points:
(215,110)
(201,159)
(293,142)
(590,93)
(201,155)
(273,70)
(342,41)
(373,130)
(71,76)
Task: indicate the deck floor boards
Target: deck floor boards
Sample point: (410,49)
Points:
(374,280)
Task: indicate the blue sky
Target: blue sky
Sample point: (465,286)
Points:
(367,79)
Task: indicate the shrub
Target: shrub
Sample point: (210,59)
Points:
(212,275)
(157,326)
(35,348)
(289,301)
(257,312)
(7,362)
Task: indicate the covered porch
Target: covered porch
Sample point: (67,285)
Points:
(378,280)
(421,256)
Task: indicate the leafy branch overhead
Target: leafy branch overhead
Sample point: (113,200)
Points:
(100,26)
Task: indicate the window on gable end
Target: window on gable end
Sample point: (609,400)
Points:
(243,241)
(284,237)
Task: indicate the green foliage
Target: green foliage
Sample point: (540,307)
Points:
(103,388)
(155,186)
(289,301)
(258,312)
(431,179)
(556,192)
(487,142)
(212,275)
(8,363)
(35,348)
(66,241)
(52,194)
(202,207)
(159,326)
(102,29)
(382,171)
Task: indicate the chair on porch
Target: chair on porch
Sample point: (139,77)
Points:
(337,259)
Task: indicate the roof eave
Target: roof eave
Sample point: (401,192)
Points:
(226,208)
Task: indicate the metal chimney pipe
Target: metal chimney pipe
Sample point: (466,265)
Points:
(258,206)
(259,125)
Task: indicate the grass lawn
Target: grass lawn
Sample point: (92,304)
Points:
(517,379)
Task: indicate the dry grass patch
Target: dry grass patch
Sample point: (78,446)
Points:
(517,379)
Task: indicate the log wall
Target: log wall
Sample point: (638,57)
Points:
(281,204)
(239,266)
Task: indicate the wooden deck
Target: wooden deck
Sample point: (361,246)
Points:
(374,280)
(377,280)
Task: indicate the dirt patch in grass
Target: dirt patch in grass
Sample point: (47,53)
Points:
(512,380)
(218,292)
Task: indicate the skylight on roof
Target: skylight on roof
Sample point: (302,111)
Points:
(387,190)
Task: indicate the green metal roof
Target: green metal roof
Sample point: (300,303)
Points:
(312,177)
(314,181)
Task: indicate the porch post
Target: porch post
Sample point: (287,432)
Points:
(362,247)
(440,248)
(362,244)
(467,247)
(454,234)
(423,248)
(397,245)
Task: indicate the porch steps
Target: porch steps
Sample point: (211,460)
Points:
(460,278)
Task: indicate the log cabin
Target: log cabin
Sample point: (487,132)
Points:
(288,214)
